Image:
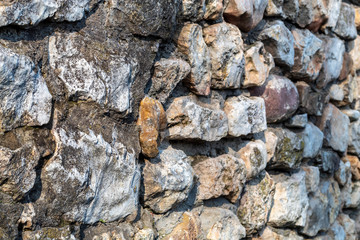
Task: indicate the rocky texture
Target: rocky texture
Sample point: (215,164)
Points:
(345,26)
(354,138)
(313,140)
(329,160)
(254,155)
(214,9)
(227,60)
(280,234)
(312,178)
(188,120)
(245,115)
(355,46)
(281,98)
(297,121)
(355,166)
(311,102)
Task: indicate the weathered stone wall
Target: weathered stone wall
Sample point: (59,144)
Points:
(179,119)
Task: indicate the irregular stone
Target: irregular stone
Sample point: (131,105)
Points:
(345,26)
(152,119)
(50,233)
(214,9)
(245,115)
(310,102)
(226,53)
(275,8)
(188,120)
(190,42)
(329,160)
(167,74)
(313,140)
(342,174)
(346,67)
(219,223)
(245,14)
(335,126)
(354,53)
(10,212)
(312,178)
(278,234)
(278,41)
(349,226)
(312,14)
(221,176)
(308,55)
(336,231)
(289,150)
(354,200)
(188,226)
(281,98)
(271,141)
(355,166)
(109,231)
(334,50)
(290,200)
(357,17)
(25,98)
(332,13)
(192,10)
(352,114)
(297,121)
(168,180)
(256,202)
(258,64)
(354,138)
(336,93)
(145,234)
(349,88)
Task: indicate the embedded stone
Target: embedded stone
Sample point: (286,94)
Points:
(192,10)
(308,55)
(152,119)
(145,234)
(278,41)
(258,63)
(311,102)
(190,42)
(281,98)
(346,67)
(352,114)
(312,14)
(254,155)
(188,227)
(221,176)
(168,180)
(336,93)
(353,201)
(312,178)
(349,226)
(335,126)
(342,174)
(332,13)
(357,17)
(355,166)
(214,9)
(297,121)
(167,74)
(245,115)
(50,233)
(354,138)
(336,231)
(313,140)
(329,161)
(278,234)
(354,53)
(188,120)
(271,143)
(226,53)
(245,14)
(345,27)
(289,211)
(256,202)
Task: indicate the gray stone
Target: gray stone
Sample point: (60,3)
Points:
(167,74)
(342,174)
(24,97)
(145,234)
(329,161)
(192,10)
(168,180)
(336,232)
(312,14)
(226,53)
(290,200)
(345,27)
(278,41)
(311,102)
(313,140)
(354,200)
(297,121)
(333,12)
(245,115)
(64,233)
(349,226)
(352,114)
(312,178)
(10,212)
(256,202)
(354,138)
(188,120)
(336,93)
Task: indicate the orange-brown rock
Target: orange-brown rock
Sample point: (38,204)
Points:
(346,66)
(357,17)
(355,165)
(152,119)
(188,229)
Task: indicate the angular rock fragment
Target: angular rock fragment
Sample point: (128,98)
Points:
(214,9)
(190,42)
(354,138)
(221,176)
(349,226)
(152,119)
(24,97)
(50,233)
(188,120)
(258,64)
(245,14)
(278,234)
(329,160)
(278,41)
(347,66)
(245,115)
(10,212)
(335,126)
(342,174)
(312,14)
(297,121)
(167,74)
(290,200)
(352,114)
(349,88)
(345,26)
(355,166)
(192,10)
(336,231)
(336,93)
(168,180)
(311,102)
(332,14)
(145,234)
(312,178)
(256,202)
(354,199)
(271,143)
(313,140)
(226,53)
(354,53)
(308,55)
(185,225)
(281,98)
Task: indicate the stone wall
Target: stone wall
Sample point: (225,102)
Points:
(179,119)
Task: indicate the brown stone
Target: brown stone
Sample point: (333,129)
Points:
(214,9)
(357,17)
(152,119)
(355,165)
(346,66)
(355,53)
(310,102)
(188,229)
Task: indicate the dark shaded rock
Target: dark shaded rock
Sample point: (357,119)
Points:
(10,212)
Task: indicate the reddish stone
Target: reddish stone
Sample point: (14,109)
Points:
(346,66)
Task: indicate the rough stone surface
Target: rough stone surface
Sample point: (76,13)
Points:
(279,234)
(192,10)
(349,226)
(188,120)
(226,53)
(271,141)
(345,26)
(214,9)
(50,233)
(313,140)
(352,114)
(245,115)
(312,178)
(312,14)
(336,93)
(190,41)
(311,102)
(347,66)
(354,138)
(258,63)
(281,98)
(168,180)
(354,199)
(354,53)
(329,160)
(297,121)
(355,166)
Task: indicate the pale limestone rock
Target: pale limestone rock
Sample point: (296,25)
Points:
(297,121)
(335,126)
(226,53)
(352,114)
(168,180)
(145,234)
(24,97)
(254,155)
(224,175)
(354,198)
(278,234)
(312,178)
(190,42)
(349,226)
(271,143)
(313,140)
(342,174)
(188,120)
(354,138)
(167,74)
(290,200)
(258,64)
(332,13)
(345,27)
(256,202)
(336,93)
(214,9)
(308,55)
(278,41)
(245,115)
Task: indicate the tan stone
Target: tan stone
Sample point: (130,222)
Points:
(357,17)
(346,66)
(355,53)
(278,234)
(255,157)
(355,165)
(271,143)
(214,9)
(152,119)
(188,229)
